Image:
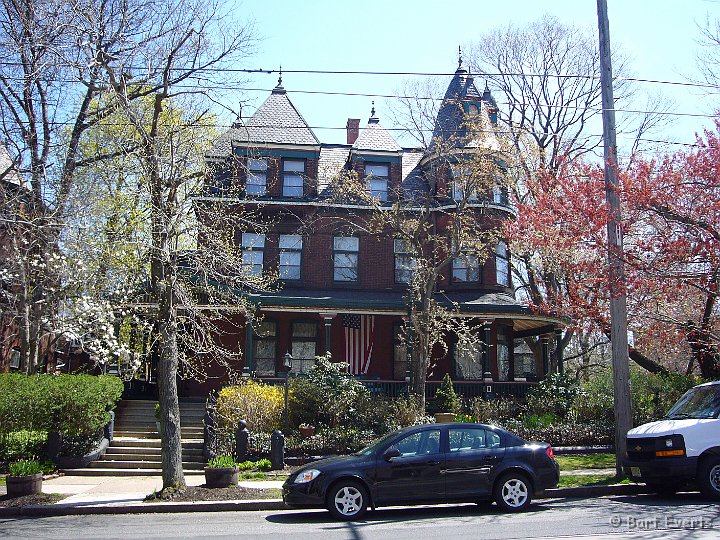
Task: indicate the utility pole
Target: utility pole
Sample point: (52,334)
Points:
(618,306)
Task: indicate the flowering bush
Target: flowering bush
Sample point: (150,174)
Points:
(260,405)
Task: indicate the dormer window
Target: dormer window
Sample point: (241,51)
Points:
(293,171)
(256,185)
(377,177)
(473,110)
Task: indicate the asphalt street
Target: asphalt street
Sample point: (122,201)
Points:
(640,516)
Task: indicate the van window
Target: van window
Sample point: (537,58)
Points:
(698,402)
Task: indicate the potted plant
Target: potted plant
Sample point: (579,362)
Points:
(221,471)
(446,401)
(306,430)
(25,478)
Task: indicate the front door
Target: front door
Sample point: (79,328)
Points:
(415,475)
(473,453)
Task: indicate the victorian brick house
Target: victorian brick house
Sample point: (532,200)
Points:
(343,289)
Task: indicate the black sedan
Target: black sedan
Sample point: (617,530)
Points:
(433,463)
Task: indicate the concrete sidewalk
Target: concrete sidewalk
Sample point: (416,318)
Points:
(125,495)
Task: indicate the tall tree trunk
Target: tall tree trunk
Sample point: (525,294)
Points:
(172,471)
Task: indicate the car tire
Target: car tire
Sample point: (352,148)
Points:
(709,477)
(513,492)
(347,500)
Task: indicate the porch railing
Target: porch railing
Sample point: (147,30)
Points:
(467,389)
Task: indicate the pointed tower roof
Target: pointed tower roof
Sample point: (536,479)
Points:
(276,121)
(374,137)
(450,118)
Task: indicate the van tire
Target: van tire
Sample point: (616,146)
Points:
(709,477)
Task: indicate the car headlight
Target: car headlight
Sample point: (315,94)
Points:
(307,476)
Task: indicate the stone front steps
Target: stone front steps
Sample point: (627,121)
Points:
(136,448)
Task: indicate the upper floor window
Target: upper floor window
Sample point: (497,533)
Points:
(502,264)
(404,261)
(463,184)
(466,267)
(378,175)
(292,177)
(345,258)
(253,246)
(15,358)
(256,184)
(290,255)
(500,195)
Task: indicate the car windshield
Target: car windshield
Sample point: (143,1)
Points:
(699,402)
(374,447)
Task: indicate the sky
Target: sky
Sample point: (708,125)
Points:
(659,37)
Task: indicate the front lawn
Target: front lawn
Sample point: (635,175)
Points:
(586,461)
(578,480)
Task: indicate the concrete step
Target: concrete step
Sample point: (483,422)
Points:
(147,454)
(102,464)
(132,442)
(124,472)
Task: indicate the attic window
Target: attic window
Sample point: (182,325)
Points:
(292,176)
(377,175)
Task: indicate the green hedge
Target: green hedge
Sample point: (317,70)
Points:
(76,405)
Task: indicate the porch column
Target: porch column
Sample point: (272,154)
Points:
(545,345)
(248,362)
(328,318)
(485,351)
(559,350)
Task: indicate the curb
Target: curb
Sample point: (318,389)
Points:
(267,504)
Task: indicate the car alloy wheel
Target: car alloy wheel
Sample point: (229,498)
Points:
(512,492)
(348,500)
(709,477)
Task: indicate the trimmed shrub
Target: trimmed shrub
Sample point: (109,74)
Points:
(76,405)
(23,444)
(554,395)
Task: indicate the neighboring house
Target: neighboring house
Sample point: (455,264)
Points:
(342,290)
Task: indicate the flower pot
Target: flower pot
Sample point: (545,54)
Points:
(307,431)
(221,477)
(444,417)
(17,486)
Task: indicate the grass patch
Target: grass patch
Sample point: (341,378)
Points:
(261,476)
(590,480)
(586,461)
(2,480)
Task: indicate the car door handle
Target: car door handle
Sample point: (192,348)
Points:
(433,462)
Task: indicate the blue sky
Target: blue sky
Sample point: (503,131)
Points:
(659,36)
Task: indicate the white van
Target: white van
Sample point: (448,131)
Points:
(682,449)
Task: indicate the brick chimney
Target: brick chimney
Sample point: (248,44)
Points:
(353,130)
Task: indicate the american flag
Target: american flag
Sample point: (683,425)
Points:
(359,337)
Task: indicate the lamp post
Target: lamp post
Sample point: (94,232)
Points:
(287,362)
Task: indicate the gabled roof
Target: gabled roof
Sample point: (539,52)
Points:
(332,161)
(374,137)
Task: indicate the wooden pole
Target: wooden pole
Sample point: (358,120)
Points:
(618,307)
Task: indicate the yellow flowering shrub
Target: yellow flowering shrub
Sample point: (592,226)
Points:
(260,405)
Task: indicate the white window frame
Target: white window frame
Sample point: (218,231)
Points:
(256,183)
(290,246)
(405,263)
(253,250)
(378,178)
(502,264)
(293,174)
(466,269)
(346,256)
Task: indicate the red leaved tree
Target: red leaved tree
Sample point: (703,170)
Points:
(671,232)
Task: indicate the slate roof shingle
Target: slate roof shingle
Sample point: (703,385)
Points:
(376,137)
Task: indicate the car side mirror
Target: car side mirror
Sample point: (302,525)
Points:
(391,452)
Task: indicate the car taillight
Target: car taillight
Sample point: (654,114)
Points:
(549,452)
